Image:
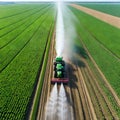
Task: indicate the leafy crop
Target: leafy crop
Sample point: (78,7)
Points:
(20,40)
(21,59)
(107,62)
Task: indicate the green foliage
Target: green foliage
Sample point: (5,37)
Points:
(107,62)
(12,10)
(109,8)
(40,83)
(21,59)
(20,40)
(12,23)
(106,35)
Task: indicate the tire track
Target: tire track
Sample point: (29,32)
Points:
(47,82)
(87,111)
(112,112)
(102,75)
(76,96)
(106,111)
(77,93)
(99,96)
(47,86)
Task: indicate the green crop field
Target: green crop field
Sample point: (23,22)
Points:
(101,39)
(24,31)
(110,8)
(25,38)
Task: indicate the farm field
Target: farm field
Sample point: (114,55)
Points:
(80,74)
(109,8)
(107,18)
(106,41)
(22,47)
(87,88)
(28,47)
(88,34)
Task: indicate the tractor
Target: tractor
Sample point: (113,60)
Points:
(60,74)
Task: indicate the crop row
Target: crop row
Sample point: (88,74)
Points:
(19,77)
(8,16)
(15,9)
(105,34)
(19,21)
(13,34)
(10,51)
(108,64)
(12,20)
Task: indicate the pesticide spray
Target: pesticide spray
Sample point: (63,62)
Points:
(70,34)
(59,31)
(65,31)
(51,111)
(57,107)
(63,106)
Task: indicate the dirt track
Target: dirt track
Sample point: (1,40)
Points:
(77,93)
(84,94)
(115,21)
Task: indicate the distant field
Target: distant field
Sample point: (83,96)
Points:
(24,31)
(91,31)
(99,41)
(110,8)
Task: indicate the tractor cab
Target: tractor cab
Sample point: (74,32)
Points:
(59,60)
(59,71)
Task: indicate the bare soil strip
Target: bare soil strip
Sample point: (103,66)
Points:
(102,75)
(76,90)
(95,86)
(83,108)
(85,97)
(47,84)
(108,19)
(112,20)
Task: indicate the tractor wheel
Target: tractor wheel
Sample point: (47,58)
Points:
(55,74)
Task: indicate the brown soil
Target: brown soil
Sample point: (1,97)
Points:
(84,94)
(89,73)
(115,21)
(47,83)
(102,75)
(76,90)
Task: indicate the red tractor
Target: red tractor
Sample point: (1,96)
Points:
(60,74)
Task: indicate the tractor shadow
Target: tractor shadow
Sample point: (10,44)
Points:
(78,60)
(79,56)
(81,51)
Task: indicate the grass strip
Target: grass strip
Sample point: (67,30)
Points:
(10,56)
(108,64)
(17,81)
(41,78)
